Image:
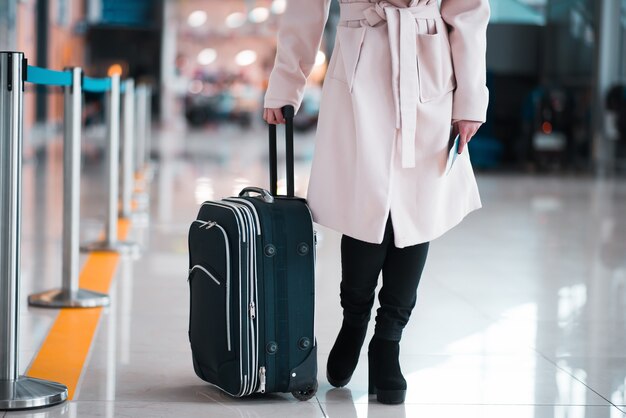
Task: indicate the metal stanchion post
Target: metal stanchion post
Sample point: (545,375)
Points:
(141,193)
(111,242)
(149,167)
(70,295)
(140,162)
(128,171)
(16,392)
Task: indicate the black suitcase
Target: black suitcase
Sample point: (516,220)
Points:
(251,278)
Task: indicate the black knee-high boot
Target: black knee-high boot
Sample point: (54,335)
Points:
(401,275)
(361,264)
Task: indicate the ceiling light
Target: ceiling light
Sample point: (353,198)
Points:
(279,6)
(235,20)
(197,18)
(245,57)
(259,14)
(207,56)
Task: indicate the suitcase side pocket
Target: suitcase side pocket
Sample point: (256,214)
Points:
(204,259)
(210,310)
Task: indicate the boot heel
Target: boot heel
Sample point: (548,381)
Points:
(391,397)
(385,377)
(371,387)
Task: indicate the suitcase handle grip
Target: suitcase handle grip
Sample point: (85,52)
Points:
(288,114)
(267,196)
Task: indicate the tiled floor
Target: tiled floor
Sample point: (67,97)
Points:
(521,311)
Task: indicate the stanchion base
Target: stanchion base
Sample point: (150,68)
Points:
(28,392)
(120,247)
(59,298)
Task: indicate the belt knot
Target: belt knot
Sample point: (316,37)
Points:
(376,14)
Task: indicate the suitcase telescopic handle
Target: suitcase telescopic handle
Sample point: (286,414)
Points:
(288,114)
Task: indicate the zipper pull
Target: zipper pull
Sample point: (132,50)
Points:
(210,224)
(252,310)
(262,379)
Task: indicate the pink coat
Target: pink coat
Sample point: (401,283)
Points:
(400,72)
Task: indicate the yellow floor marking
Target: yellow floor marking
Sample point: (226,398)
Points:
(63,353)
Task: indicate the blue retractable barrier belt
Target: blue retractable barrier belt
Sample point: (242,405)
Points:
(43,76)
(96,85)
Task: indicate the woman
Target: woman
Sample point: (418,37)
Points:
(401,73)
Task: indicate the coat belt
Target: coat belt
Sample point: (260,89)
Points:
(402,30)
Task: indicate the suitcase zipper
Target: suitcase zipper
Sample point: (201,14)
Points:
(250,361)
(249,212)
(262,379)
(252,278)
(254,211)
(227,243)
(198,266)
(235,212)
(252,310)
(206,224)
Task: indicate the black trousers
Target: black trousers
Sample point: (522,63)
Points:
(361,264)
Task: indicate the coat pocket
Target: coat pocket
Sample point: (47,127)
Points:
(434,63)
(348,52)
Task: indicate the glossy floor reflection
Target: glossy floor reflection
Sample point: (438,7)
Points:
(521,311)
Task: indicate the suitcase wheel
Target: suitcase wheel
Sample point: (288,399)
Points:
(306,393)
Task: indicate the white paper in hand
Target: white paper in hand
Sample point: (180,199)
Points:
(452,154)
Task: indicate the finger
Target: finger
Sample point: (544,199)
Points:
(265,115)
(461,146)
(273,117)
(464,132)
(278,114)
(270,117)
(464,137)
(469,134)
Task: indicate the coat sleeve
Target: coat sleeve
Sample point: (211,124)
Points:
(299,37)
(467,29)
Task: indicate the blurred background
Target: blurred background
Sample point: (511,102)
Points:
(556,68)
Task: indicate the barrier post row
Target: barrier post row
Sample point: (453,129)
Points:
(16,392)
(111,242)
(128,171)
(70,295)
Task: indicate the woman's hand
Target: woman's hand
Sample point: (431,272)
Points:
(273,116)
(466,130)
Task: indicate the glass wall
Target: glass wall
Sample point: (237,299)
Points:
(543,57)
(7,25)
